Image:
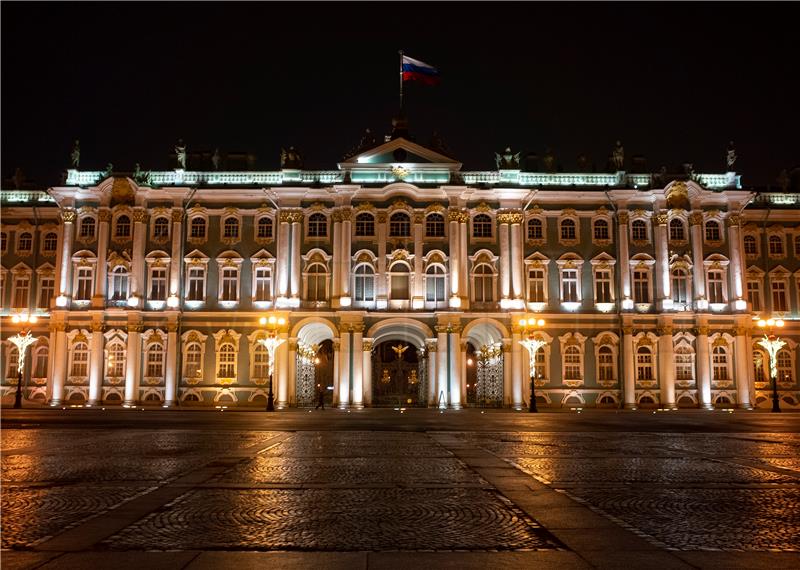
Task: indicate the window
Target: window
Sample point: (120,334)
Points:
(365,225)
(155,361)
(540,364)
(536,285)
(602,282)
(399,225)
(13,362)
(227,361)
(776,246)
(193,366)
(434,284)
(572,363)
(317,283)
(641,286)
(680,286)
(754,294)
(535,229)
(161,228)
(605,363)
(50,243)
(40,360)
(568,229)
(364,284)
(22,288)
(779,303)
(3,242)
(196,284)
(88,225)
(719,360)
(400,275)
(263,285)
(158,284)
(80,360)
(684,363)
(230,284)
(481,226)
(119,284)
(123,227)
(750,245)
(715,286)
(260,361)
(569,286)
(25,243)
(434,225)
(712,231)
(677,231)
(484,283)
(198,228)
(83,291)
(601,232)
(644,363)
(797,245)
(116,359)
(47,286)
(783,362)
(759,364)
(639,230)
(317,225)
(230,228)
(264,230)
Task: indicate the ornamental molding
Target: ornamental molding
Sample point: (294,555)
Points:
(346,214)
(139,215)
(365,206)
(623,218)
(177,216)
(69,216)
(366,345)
(381,217)
(434,208)
(336,216)
(104,215)
(733,220)
(661,219)
(696,218)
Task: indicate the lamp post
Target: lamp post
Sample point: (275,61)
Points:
(533,345)
(22,341)
(272,342)
(772,344)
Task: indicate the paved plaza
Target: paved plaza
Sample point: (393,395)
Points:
(385,489)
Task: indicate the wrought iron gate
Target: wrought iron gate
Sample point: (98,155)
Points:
(489,389)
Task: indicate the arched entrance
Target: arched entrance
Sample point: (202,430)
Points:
(485,375)
(314,363)
(398,375)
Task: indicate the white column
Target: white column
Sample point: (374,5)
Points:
(703,369)
(171,378)
(518,353)
(505,261)
(284,255)
(507,372)
(139,240)
(344,368)
(419,282)
(283,364)
(176,262)
(358,363)
(666,367)
(96,365)
(463,265)
(295,277)
(462,360)
(366,370)
(67,235)
(336,356)
(455,258)
(441,366)
(516,259)
(293,371)
(430,349)
(662,261)
(735,249)
(698,275)
(347,240)
(132,359)
(60,364)
(629,377)
(624,260)
(337,258)
(100,282)
(742,360)
(380,278)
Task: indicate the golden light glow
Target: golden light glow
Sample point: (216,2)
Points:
(540,322)
(522,322)
(263,320)
(762,323)
(779,323)
(272,319)
(281,321)
(770,322)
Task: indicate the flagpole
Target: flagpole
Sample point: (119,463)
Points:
(401,81)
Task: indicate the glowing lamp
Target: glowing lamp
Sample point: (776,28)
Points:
(522,322)
(15,319)
(34,318)
(770,322)
(740,304)
(272,320)
(133,301)
(281,321)
(345,301)
(61,301)
(778,322)
(262,320)
(540,322)
(762,323)
(172,301)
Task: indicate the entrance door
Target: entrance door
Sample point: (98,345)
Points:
(314,373)
(398,379)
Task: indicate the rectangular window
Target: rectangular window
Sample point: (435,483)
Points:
(641,286)
(603,286)
(684,367)
(536,286)
(196,281)
(83,291)
(46,290)
(715,291)
(779,303)
(230,282)
(158,284)
(400,286)
(680,286)
(22,284)
(263,289)
(569,286)
(754,295)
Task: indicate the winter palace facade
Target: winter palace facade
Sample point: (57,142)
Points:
(149,288)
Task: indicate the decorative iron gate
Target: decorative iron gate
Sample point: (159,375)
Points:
(489,388)
(396,376)
(306,381)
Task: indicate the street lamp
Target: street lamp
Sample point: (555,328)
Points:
(772,344)
(271,343)
(22,341)
(533,345)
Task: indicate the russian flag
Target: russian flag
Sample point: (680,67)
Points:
(415,70)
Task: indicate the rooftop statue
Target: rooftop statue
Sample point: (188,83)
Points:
(180,154)
(215,159)
(549,161)
(507,160)
(75,156)
(291,158)
(109,169)
(730,156)
(618,157)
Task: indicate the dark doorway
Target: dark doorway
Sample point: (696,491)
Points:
(396,377)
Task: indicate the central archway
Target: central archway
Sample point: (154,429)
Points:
(314,362)
(399,370)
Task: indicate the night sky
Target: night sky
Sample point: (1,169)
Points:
(674,82)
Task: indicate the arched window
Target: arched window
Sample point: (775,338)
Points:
(750,245)
(605,363)
(434,225)
(434,284)
(783,362)
(80,360)
(601,229)
(540,364)
(115,357)
(264,230)
(119,283)
(87,227)
(317,225)
(644,363)
(776,246)
(230,228)
(568,229)
(155,361)
(535,229)
(161,228)
(684,363)
(364,288)
(198,228)
(227,361)
(263,288)
(260,362)
(399,225)
(13,362)
(715,286)
(712,231)
(365,225)
(41,355)
(677,231)
(572,363)
(639,230)
(123,227)
(25,243)
(400,278)
(680,285)
(719,359)
(482,226)
(317,283)
(483,283)
(50,243)
(193,366)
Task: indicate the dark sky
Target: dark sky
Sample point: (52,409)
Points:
(673,81)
